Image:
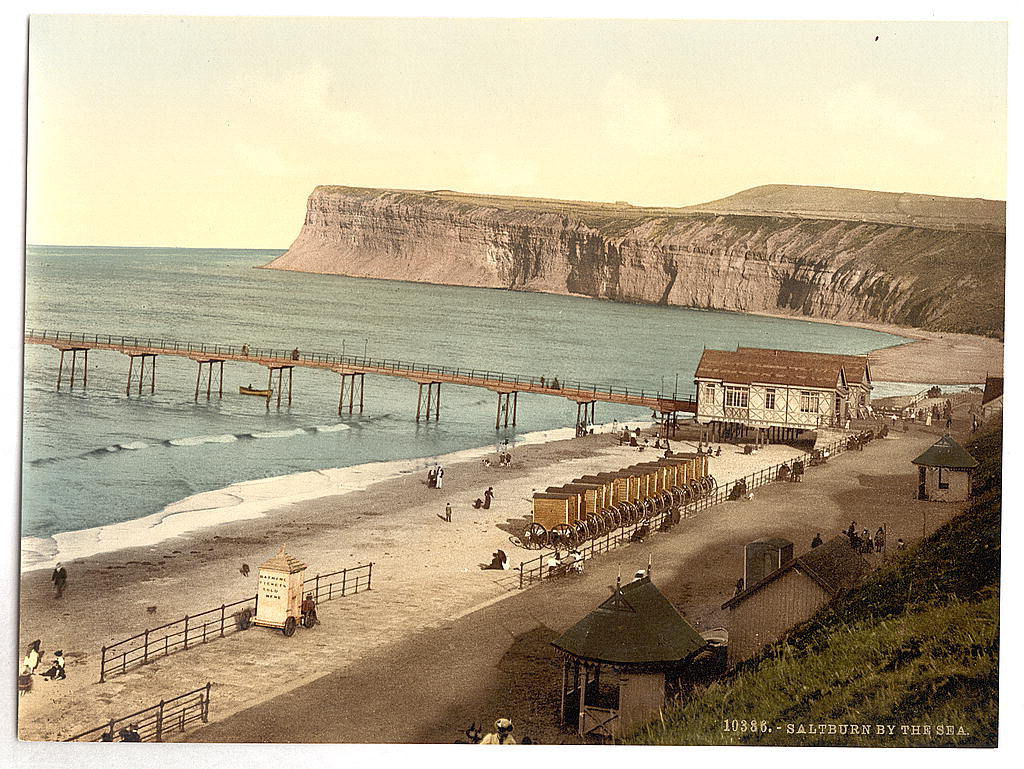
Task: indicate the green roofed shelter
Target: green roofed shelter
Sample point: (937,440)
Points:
(944,472)
(646,644)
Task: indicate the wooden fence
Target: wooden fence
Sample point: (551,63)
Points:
(157,722)
(195,629)
(537,569)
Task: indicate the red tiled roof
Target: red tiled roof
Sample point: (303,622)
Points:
(784,367)
(856,367)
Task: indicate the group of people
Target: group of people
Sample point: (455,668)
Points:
(29,665)
(502,734)
(484,503)
(863,542)
(435,477)
(582,429)
(709,451)
(552,383)
(573,562)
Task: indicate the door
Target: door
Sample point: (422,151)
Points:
(921,493)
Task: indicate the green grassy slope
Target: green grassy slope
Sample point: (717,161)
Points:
(916,644)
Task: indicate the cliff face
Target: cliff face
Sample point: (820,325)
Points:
(831,268)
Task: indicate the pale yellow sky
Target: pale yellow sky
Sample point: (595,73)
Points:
(212,132)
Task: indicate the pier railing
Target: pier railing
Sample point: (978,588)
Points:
(157,722)
(567,388)
(197,629)
(536,569)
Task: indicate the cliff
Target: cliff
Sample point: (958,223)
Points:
(848,255)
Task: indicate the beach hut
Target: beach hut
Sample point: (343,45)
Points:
(765,609)
(555,506)
(279,592)
(621,661)
(944,472)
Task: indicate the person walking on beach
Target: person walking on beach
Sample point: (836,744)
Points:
(60,579)
(488,496)
(438,476)
(448,512)
(31,661)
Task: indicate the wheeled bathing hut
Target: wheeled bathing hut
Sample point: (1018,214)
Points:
(595,504)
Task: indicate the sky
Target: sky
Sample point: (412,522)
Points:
(212,132)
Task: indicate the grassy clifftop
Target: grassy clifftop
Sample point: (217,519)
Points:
(917,644)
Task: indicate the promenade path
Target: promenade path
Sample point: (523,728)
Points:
(497,661)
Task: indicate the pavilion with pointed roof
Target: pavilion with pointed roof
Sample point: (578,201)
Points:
(944,472)
(646,644)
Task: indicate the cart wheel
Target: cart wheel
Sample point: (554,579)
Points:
(289,627)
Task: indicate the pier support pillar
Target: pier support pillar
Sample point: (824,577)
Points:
(433,400)
(351,379)
(504,401)
(214,366)
(142,371)
(280,384)
(74,359)
(585,413)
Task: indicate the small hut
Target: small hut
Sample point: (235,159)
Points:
(766,609)
(279,596)
(643,646)
(944,472)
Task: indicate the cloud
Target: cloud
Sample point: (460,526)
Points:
(268,161)
(643,119)
(863,112)
(309,101)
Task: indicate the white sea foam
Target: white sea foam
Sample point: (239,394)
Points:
(134,445)
(248,499)
(197,440)
(279,433)
(331,428)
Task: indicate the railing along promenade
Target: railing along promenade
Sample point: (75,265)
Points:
(157,722)
(197,629)
(536,569)
(500,382)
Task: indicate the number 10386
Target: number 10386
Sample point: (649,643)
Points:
(739,725)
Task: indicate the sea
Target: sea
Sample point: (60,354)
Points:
(101,468)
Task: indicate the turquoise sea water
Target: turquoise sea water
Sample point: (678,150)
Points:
(97,456)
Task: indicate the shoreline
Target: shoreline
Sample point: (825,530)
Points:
(243,501)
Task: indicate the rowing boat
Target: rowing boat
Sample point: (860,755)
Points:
(251,391)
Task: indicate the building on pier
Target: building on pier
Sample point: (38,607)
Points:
(779,393)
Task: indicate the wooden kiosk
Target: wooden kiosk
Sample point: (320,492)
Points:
(279,592)
(643,646)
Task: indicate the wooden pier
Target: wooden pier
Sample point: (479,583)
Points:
(507,386)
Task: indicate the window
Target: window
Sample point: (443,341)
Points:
(736,397)
(769,398)
(709,391)
(808,402)
(943,484)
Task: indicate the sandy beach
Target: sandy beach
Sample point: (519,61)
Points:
(426,571)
